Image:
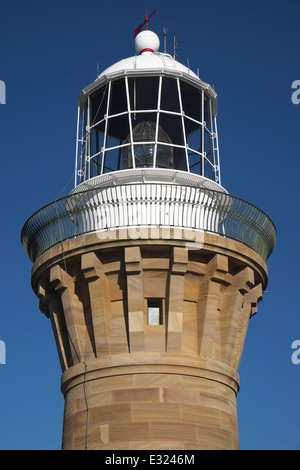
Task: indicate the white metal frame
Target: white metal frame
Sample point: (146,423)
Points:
(84,142)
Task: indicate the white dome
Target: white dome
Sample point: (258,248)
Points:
(155,60)
(147,44)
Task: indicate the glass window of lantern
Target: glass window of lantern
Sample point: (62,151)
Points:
(96,144)
(143,127)
(180,159)
(95,166)
(191,127)
(98,105)
(191,101)
(125,157)
(118,98)
(143,155)
(117,130)
(208,147)
(112,160)
(207,114)
(84,114)
(172,126)
(97,138)
(164,156)
(143,137)
(144,144)
(169,95)
(209,169)
(194,141)
(143,93)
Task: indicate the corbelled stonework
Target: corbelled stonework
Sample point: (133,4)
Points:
(131,385)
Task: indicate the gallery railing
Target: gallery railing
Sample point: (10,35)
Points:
(148,205)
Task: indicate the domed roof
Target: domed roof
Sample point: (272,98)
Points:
(147,44)
(156,60)
(148,61)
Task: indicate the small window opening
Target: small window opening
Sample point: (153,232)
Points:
(154,312)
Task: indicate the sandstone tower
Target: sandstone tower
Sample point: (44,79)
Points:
(149,271)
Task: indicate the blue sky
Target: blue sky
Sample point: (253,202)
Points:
(249,52)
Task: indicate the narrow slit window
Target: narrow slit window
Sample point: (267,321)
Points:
(154,312)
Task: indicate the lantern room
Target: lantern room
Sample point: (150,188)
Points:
(147,111)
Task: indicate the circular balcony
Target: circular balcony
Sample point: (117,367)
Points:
(154,205)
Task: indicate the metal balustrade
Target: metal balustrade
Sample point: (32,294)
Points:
(134,206)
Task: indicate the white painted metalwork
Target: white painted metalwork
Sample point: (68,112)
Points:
(195,144)
(216,153)
(180,211)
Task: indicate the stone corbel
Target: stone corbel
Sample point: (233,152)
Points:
(100,302)
(63,284)
(243,299)
(178,268)
(210,303)
(135,298)
(50,305)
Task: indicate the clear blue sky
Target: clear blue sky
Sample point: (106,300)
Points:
(249,51)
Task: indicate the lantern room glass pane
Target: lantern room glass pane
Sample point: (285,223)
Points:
(97,141)
(138,119)
(111,142)
(118,100)
(98,104)
(169,95)
(180,159)
(191,101)
(195,162)
(143,154)
(208,146)
(95,166)
(193,135)
(207,114)
(164,156)
(113,160)
(209,157)
(97,138)
(118,128)
(191,126)
(144,134)
(143,92)
(209,170)
(177,157)
(144,131)
(195,147)
(172,126)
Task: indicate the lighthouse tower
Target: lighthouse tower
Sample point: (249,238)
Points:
(149,270)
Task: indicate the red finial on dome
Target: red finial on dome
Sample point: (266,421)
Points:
(146,20)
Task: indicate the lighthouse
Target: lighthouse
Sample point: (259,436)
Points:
(149,270)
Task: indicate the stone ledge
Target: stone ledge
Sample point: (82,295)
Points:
(150,363)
